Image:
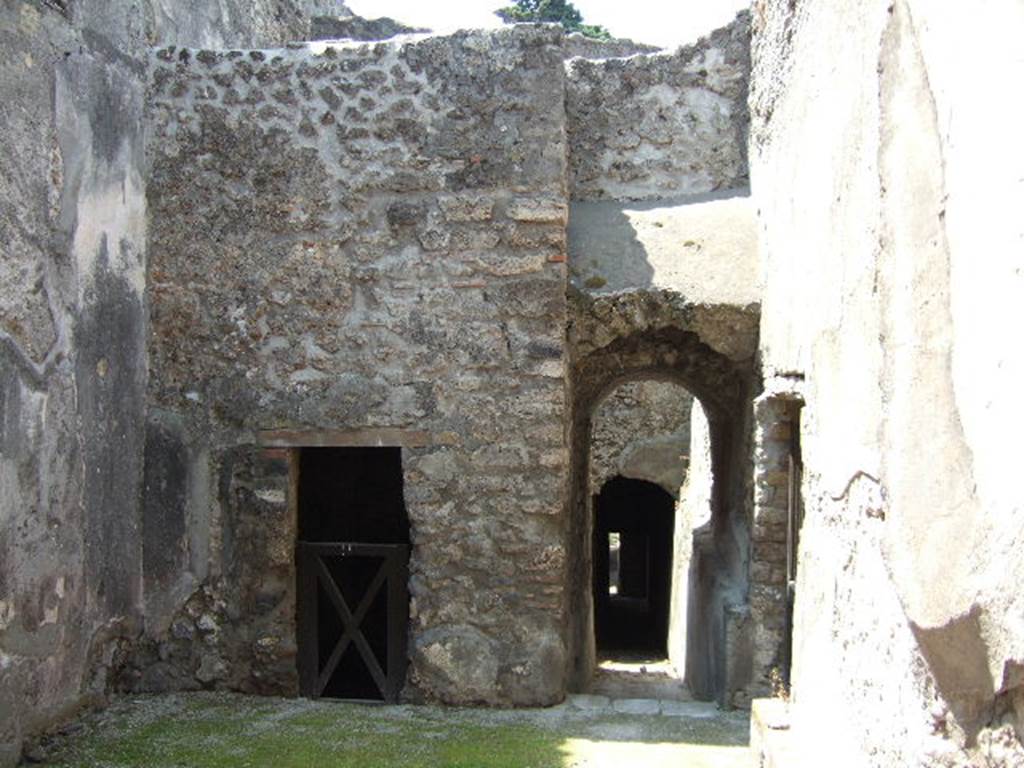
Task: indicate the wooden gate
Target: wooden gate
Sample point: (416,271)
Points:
(323,607)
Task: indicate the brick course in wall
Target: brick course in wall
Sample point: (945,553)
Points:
(775,421)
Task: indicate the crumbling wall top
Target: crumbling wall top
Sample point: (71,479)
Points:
(661,124)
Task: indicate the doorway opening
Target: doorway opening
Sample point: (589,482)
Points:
(649,472)
(634,523)
(352,563)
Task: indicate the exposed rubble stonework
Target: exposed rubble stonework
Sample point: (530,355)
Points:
(661,125)
(360,237)
(642,431)
(775,525)
(421,302)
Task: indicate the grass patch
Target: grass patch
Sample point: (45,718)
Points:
(222,730)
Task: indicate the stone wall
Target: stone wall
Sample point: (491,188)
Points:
(661,125)
(577,44)
(366,242)
(323,244)
(889,198)
(776,462)
(72,333)
(642,431)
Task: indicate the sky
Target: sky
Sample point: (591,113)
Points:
(668,23)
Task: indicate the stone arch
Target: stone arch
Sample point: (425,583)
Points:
(657,335)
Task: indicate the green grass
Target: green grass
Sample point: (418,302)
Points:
(220,730)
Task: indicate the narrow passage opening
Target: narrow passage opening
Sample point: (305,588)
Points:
(634,522)
(794,520)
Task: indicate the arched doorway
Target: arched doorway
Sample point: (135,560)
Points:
(716,658)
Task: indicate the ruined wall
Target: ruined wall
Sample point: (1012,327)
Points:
(351,27)
(72,339)
(660,125)
(365,242)
(776,419)
(577,44)
(642,431)
(890,233)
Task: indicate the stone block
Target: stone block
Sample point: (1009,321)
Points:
(637,706)
(464,208)
(589,702)
(548,211)
(701,710)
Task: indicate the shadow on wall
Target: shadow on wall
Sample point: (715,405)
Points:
(702,245)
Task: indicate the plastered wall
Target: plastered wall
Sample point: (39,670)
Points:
(887,188)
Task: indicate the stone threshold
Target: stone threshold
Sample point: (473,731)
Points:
(596,704)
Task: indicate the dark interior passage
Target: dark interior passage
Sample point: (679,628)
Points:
(352,494)
(352,611)
(633,530)
(794,520)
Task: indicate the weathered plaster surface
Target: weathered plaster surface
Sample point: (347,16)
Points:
(72,342)
(73,368)
(891,258)
(703,248)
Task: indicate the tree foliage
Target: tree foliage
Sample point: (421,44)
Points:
(558,11)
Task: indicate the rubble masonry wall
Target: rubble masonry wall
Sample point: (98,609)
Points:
(367,240)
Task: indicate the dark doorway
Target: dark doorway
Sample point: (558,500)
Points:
(633,531)
(352,563)
(794,520)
